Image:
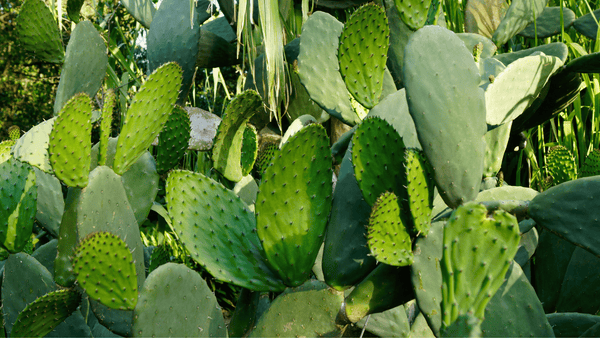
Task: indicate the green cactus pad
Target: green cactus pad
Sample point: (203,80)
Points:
(420,187)
(289,314)
(70,142)
(231,250)
(50,201)
(142,10)
(561,165)
(160,256)
(384,288)
(245,315)
(176,302)
(496,141)
(527,246)
(580,284)
(249,149)
(362,53)
(591,167)
(515,88)
(293,204)
(296,126)
(38,32)
(448,108)
(32,147)
(587,24)
(45,313)
(390,323)
(173,37)
(388,236)
(558,49)
(319,69)
(102,257)
(18,197)
(265,156)
(377,156)
(85,65)
(46,254)
(5,149)
(227,151)
(413,12)
(482,17)
(549,23)
(520,13)
(147,114)
(477,253)
(571,324)
(14,132)
(173,140)
(584,64)
(465,325)
(105,125)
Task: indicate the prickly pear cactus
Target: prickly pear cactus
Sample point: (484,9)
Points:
(591,167)
(249,149)
(105,126)
(413,12)
(419,186)
(561,165)
(38,32)
(14,132)
(363,52)
(173,140)
(265,156)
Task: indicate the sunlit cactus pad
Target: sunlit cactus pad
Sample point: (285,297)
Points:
(478,250)
(419,186)
(413,12)
(105,270)
(45,313)
(388,237)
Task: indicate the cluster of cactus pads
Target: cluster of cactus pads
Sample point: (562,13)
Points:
(418,237)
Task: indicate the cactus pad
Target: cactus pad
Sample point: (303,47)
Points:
(33,146)
(591,167)
(147,114)
(5,149)
(45,313)
(265,155)
(14,132)
(227,151)
(249,149)
(173,140)
(18,197)
(377,156)
(103,257)
(70,143)
(363,53)
(230,249)
(520,13)
(478,251)
(105,126)
(293,204)
(38,32)
(160,255)
(388,236)
(413,12)
(419,186)
(561,165)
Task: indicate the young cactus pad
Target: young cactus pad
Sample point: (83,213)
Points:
(478,250)
(70,142)
(45,313)
(219,231)
(363,52)
(293,204)
(147,114)
(419,186)
(413,12)
(388,237)
(105,270)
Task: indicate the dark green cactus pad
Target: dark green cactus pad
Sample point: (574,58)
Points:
(63,266)
(32,147)
(346,257)
(45,313)
(585,64)
(448,108)
(105,125)
(70,142)
(289,314)
(176,301)
(384,288)
(591,167)
(264,156)
(46,254)
(375,173)
(558,49)
(561,165)
(496,141)
(293,204)
(319,69)
(249,149)
(515,301)
(38,32)
(74,9)
(173,140)
(482,17)
(300,102)
(160,255)
(420,188)
(173,37)
(413,12)
(50,201)
(85,65)
(515,88)
(214,51)
(477,253)
(549,23)
(527,246)
(140,181)
(587,25)
(18,197)
(147,115)
(465,325)
(571,324)
(519,14)
(362,53)
(559,209)
(581,284)
(227,150)
(388,236)
(102,257)
(231,250)
(142,10)
(244,317)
